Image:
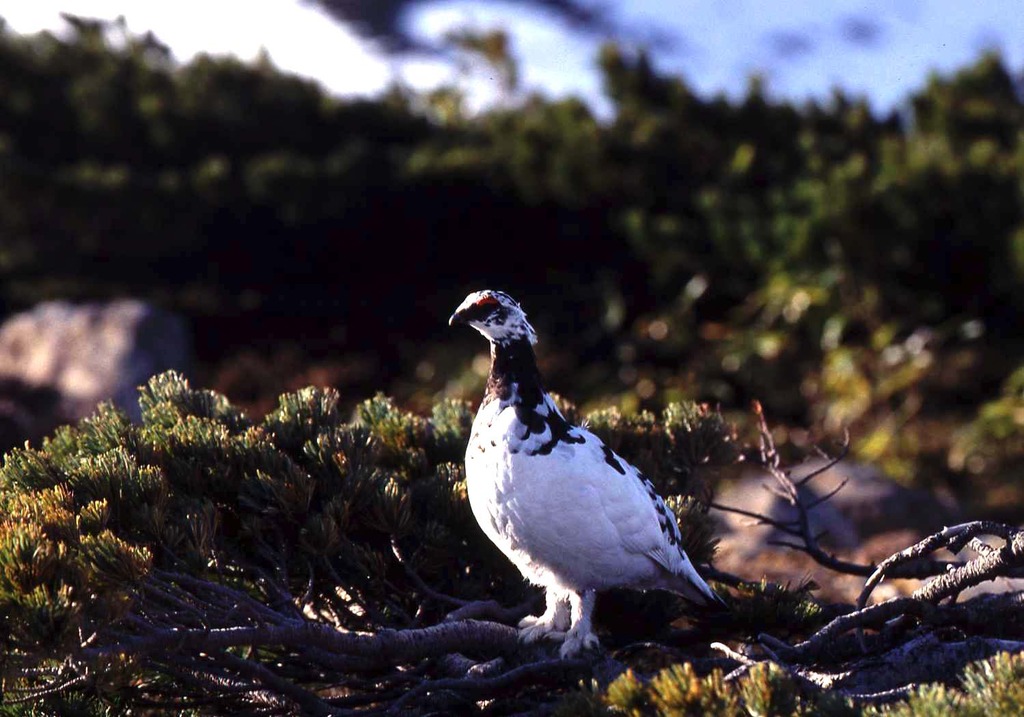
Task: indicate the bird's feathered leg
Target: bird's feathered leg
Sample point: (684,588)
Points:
(553,623)
(581,636)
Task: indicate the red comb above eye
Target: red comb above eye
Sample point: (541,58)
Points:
(486,301)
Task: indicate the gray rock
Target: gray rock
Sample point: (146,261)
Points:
(869,504)
(875,503)
(93,352)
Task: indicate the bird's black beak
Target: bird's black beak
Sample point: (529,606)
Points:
(472,312)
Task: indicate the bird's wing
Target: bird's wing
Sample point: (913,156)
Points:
(644,524)
(587,514)
(592,501)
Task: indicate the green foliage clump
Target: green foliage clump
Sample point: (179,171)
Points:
(354,516)
(996,686)
(199,489)
(677,452)
(927,701)
(768,690)
(991,448)
(678,691)
(451,421)
(64,562)
(697,529)
(768,607)
(670,450)
(675,690)
(402,435)
(164,403)
(303,416)
(60,569)
(989,688)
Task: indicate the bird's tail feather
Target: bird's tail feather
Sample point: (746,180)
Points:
(694,590)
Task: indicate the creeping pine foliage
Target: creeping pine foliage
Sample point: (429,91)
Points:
(989,688)
(304,499)
(105,524)
(784,610)
(669,449)
(678,691)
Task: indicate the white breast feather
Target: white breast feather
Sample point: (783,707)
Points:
(567,519)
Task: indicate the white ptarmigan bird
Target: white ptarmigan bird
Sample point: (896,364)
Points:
(572,515)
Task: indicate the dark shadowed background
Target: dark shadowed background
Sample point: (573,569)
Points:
(718,204)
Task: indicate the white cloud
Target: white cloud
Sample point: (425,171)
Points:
(724,40)
(298,37)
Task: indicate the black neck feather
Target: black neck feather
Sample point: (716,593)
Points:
(515,381)
(514,376)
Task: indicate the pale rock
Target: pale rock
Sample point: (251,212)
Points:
(869,504)
(93,352)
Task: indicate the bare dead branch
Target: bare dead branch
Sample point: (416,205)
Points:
(830,461)
(383,648)
(420,583)
(759,518)
(732,654)
(881,697)
(827,496)
(492,610)
(789,490)
(531,673)
(59,683)
(952,538)
(276,685)
(984,568)
(871,616)
(809,542)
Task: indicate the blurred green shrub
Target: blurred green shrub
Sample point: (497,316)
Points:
(844,268)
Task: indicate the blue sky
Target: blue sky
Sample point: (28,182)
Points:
(881,49)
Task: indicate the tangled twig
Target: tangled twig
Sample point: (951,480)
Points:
(930,607)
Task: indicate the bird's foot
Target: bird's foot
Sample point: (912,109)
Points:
(543,627)
(576,641)
(552,625)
